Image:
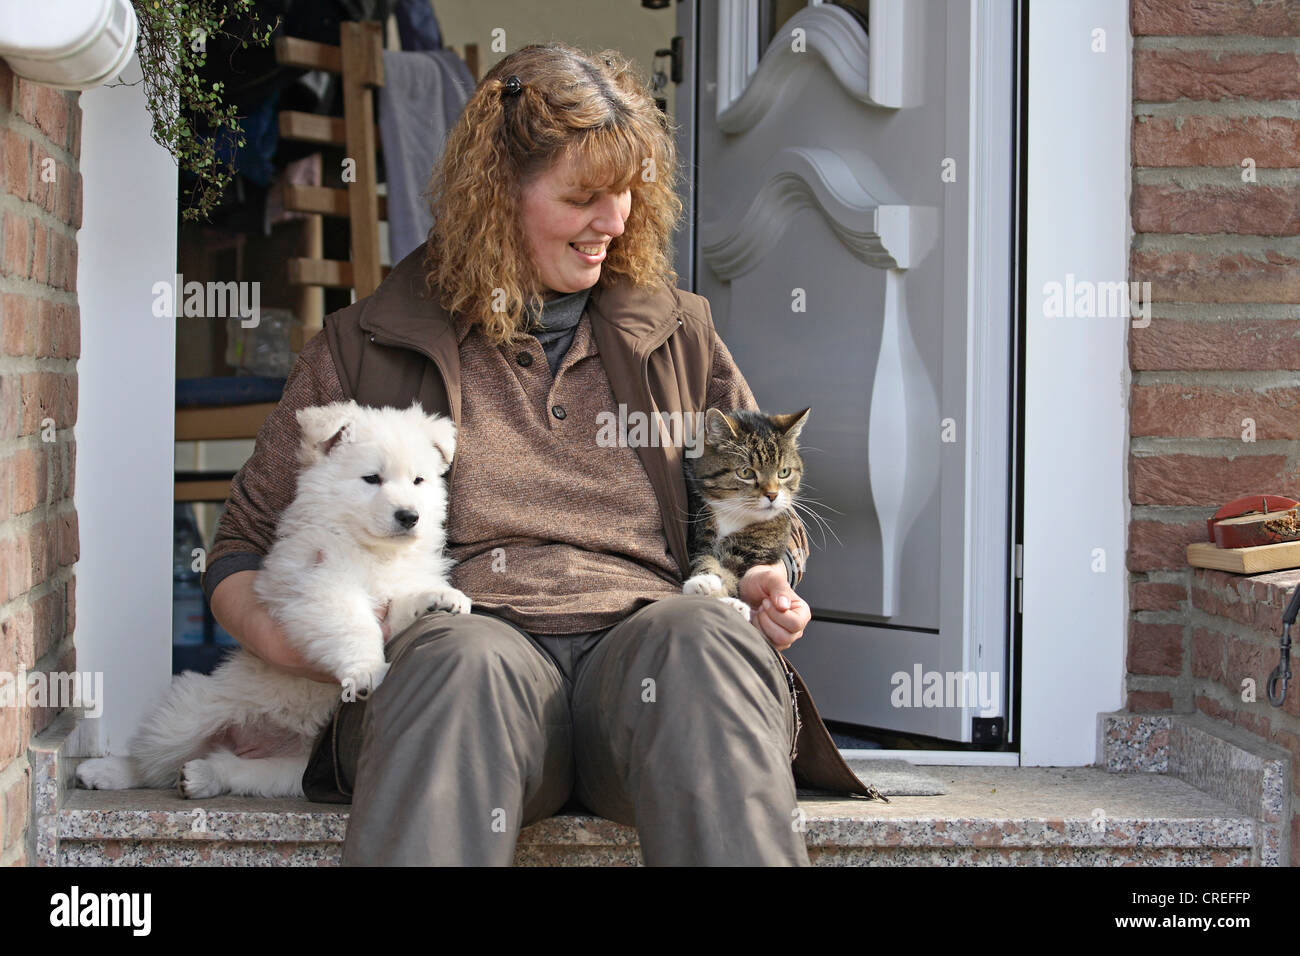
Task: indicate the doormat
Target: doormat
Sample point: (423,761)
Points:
(893,778)
(898,778)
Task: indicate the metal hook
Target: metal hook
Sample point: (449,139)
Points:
(1282,673)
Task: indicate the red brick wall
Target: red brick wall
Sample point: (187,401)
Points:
(1214,84)
(40,212)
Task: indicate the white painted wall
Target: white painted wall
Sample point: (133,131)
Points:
(1075,412)
(126,416)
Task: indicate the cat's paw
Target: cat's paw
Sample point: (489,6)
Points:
(710,585)
(738,604)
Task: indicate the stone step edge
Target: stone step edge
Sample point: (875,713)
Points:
(577,830)
(1227,762)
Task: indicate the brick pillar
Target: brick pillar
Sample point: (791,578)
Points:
(40,212)
(1215,401)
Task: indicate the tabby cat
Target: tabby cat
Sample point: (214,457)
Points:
(741,491)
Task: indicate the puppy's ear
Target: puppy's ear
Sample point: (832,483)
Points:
(442,433)
(323,427)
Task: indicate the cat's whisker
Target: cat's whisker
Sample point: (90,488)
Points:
(802,509)
(804,499)
(687,517)
(824,530)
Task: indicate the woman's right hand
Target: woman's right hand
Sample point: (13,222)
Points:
(238,610)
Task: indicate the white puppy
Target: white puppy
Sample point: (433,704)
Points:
(364,530)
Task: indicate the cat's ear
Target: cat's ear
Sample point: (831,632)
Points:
(718,427)
(791,425)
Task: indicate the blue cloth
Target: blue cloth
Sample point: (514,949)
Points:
(417,26)
(261,133)
(421,99)
(227,390)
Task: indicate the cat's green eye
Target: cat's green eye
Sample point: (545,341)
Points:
(746,473)
(783,473)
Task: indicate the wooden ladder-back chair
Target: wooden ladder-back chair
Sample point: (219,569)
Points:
(359,60)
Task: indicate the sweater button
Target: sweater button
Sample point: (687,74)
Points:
(524,359)
(558,411)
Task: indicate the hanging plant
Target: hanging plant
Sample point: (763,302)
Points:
(190,115)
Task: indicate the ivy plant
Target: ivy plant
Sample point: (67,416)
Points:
(190,114)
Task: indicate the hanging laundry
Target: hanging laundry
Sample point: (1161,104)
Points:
(421,99)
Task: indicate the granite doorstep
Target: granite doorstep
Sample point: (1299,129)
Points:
(1021,856)
(1233,765)
(989,816)
(197,853)
(1128,743)
(224,853)
(51,777)
(1249,774)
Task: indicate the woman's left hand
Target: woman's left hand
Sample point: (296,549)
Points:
(775,609)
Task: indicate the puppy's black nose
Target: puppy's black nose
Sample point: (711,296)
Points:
(405,518)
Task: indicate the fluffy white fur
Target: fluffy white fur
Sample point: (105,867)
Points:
(345,547)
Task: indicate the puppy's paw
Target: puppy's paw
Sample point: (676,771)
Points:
(403,612)
(362,681)
(198,779)
(448,599)
(105,773)
(738,604)
(710,585)
(377,675)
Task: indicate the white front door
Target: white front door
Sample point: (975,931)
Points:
(853,206)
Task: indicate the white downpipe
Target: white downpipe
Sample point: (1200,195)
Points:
(70,44)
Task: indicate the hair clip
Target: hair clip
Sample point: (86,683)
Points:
(513,86)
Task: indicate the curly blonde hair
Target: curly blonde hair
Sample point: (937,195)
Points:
(594,110)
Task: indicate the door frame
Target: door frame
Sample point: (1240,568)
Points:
(1076,381)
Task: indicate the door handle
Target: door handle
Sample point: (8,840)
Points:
(674,55)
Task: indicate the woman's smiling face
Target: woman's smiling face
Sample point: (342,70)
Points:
(569,228)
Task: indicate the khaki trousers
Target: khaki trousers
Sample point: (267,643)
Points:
(677,721)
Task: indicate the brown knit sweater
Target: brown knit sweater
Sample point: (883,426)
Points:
(549,529)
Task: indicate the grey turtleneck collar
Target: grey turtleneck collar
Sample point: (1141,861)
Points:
(559,322)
